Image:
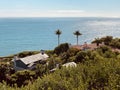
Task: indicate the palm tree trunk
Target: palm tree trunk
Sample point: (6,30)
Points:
(77,40)
(58,39)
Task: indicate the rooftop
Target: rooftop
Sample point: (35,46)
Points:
(34,58)
(86,46)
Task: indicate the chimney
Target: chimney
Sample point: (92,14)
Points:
(16,57)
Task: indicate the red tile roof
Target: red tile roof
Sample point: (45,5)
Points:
(87,46)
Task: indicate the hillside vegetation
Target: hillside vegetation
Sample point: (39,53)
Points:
(98,69)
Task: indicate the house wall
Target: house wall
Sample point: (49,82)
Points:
(20,64)
(18,68)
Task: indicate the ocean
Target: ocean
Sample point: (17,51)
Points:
(26,34)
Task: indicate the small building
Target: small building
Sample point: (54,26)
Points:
(29,62)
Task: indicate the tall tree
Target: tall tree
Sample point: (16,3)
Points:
(58,32)
(77,33)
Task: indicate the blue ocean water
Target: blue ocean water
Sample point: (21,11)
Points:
(21,34)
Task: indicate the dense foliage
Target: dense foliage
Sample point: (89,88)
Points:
(61,48)
(109,41)
(96,73)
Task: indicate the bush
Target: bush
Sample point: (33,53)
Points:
(81,56)
(107,40)
(3,71)
(22,78)
(27,53)
(40,70)
(61,48)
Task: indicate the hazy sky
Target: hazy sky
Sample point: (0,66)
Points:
(59,8)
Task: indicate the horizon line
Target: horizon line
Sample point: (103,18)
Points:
(64,17)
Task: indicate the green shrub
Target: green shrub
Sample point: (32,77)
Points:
(22,77)
(61,48)
(81,56)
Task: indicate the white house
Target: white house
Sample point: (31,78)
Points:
(29,62)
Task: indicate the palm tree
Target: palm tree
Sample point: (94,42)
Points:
(77,33)
(97,41)
(58,32)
